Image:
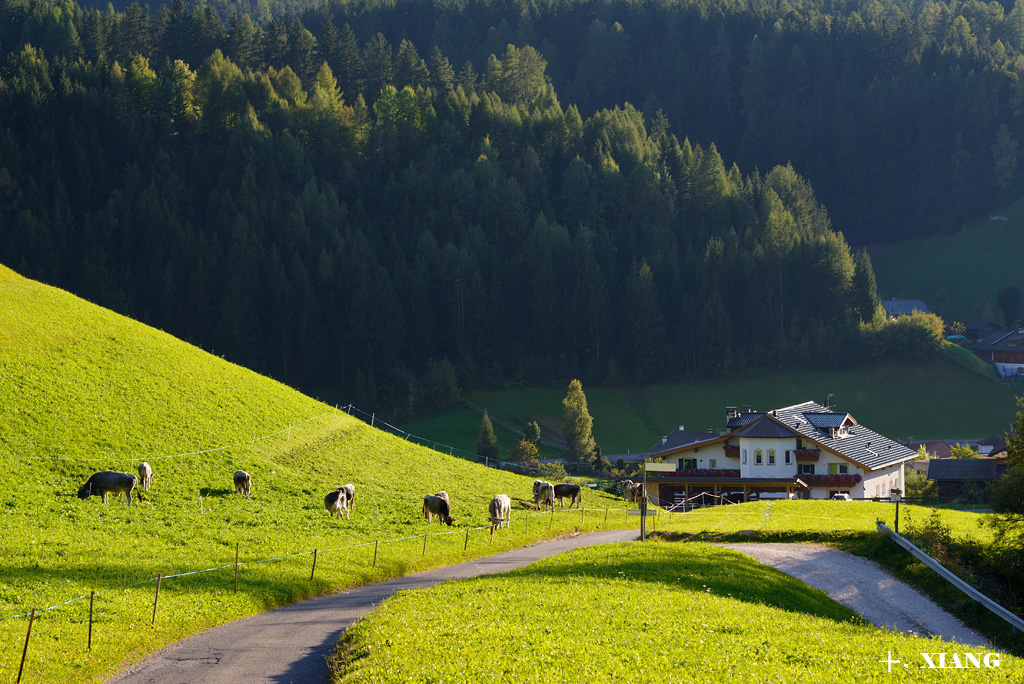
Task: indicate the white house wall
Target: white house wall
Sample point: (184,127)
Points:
(704,455)
(780,469)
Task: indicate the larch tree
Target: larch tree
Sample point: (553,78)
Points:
(577,424)
(486,441)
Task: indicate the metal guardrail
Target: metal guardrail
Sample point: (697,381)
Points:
(994,607)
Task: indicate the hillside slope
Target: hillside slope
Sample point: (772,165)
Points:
(84,389)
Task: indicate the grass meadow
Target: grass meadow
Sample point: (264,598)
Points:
(636,612)
(938,399)
(970,266)
(85,390)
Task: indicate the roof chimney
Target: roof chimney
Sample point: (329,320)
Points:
(681,428)
(664,440)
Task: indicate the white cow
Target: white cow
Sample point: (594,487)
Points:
(543,493)
(350,491)
(243,483)
(501,511)
(145,475)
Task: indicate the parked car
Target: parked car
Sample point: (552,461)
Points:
(842,497)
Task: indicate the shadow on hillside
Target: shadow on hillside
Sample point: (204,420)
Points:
(216,491)
(714,571)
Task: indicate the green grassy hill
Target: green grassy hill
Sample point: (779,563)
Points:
(936,399)
(971,266)
(83,389)
(638,613)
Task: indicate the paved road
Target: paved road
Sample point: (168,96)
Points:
(289,645)
(864,587)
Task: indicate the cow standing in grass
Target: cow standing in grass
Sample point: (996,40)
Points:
(107,482)
(543,493)
(501,511)
(439,506)
(350,491)
(627,490)
(573,492)
(145,475)
(337,502)
(243,483)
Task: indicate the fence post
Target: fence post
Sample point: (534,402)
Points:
(373,418)
(375,544)
(527,531)
(236,567)
(425,544)
(92,595)
(156,599)
(492,535)
(314,566)
(466,545)
(606,516)
(551,519)
(583,516)
(24,652)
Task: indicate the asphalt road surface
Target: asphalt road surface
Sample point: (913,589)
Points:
(290,645)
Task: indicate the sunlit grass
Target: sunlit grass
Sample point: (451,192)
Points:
(635,612)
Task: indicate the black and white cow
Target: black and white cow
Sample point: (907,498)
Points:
(337,502)
(501,511)
(243,483)
(627,490)
(145,475)
(108,482)
(439,506)
(569,491)
(543,493)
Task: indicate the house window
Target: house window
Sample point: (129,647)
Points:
(838,469)
(689,463)
(758,457)
(805,468)
(789,456)
(712,462)
(744,457)
(771,457)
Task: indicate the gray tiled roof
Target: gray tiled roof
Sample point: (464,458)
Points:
(766,428)
(861,445)
(828,420)
(904,307)
(1000,340)
(963,469)
(745,418)
(682,438)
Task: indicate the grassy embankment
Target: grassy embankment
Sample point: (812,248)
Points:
(84,389)
(971,265)
(638,613)
(936,399)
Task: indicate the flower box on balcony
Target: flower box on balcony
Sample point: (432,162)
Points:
(807,455)
(732,451)
(845,480)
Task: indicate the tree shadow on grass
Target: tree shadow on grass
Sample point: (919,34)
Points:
(699,568)
(216,491)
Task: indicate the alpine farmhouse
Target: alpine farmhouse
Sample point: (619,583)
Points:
(806,451)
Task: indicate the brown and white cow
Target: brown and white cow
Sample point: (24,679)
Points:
(145,475)
(243,483)
(573,492)
(107,482)
(337,502)
(350,490)
(501,511)
(439,506)
(543,493)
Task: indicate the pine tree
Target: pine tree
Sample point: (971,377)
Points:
(577,424)
(531,432)
(486,442)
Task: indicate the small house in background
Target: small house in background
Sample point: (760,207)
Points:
(894,308)
(1006,352)
(979,330)
(936,447)
(955,476)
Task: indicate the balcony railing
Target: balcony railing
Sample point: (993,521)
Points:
(697,472)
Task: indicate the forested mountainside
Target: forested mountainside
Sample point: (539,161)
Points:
(905,116)
(370,248)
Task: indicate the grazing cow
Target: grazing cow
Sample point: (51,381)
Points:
(443,495)
(544,493)
(337,501)
(145,475)
(436,505)
(627,490)
(243,483)
(569,491)
(350,491)
(639,493)
(108,482)
(501,511)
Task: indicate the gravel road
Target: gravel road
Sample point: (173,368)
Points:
(864,587)
(290,645)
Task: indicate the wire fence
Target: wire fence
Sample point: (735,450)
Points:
(350,410)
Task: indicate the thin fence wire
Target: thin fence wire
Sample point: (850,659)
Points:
(349,410)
